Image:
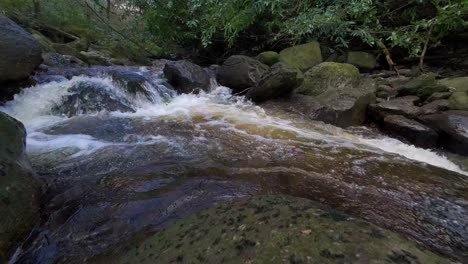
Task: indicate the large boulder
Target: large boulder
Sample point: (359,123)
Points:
(303,56)
(94,57)
(423,86)
(404,106)
(131,82)
(340,87)
(362,60)
(268,57)
(19,190)
(186,77)
(459,101)
(240,72)
(411,130)
(279,80)
(452,127)
(459,84)
(275,229)
(20,53)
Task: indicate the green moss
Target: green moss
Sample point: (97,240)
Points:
(459,101)
(275,229)
(362,60)
(329,76)
(268,57)
(460,83)
(303,56)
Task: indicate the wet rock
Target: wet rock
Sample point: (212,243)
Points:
(452,127)
(404,106)
(130,81)
(435,107)
(459,101)
(386,91)
(87,98)
(241,72)
(305,106)
(54,59)
(302,57)
(411,130)
(186,77)
(279,80)
(268,57)
(20,53)
(422,86)
(96,58)
(19,190)
(438,96)
(339,86)
(362,60)
(459,84)
(282,228)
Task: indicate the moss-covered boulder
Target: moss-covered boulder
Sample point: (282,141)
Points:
(423,86)
(303,56)
(340,87)
(278,81)
(18,188)
(460,84)
(275,229)
(268,57)
(363,60)
(459,101)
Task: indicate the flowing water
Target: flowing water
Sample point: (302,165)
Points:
(120,163)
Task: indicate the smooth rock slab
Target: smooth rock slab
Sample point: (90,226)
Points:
(274,229)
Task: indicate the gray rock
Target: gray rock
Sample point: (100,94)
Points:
(411,130)
(452,127)
(435,107)
(186,77)
(404,106)
(279,80)
(19,189)
(438,96)
(20,53)
(240,72)
(132,82)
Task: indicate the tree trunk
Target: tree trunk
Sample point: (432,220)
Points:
(37,8)
(108,9)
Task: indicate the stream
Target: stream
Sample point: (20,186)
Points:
(121,161)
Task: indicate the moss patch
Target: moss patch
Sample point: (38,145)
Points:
(275,229)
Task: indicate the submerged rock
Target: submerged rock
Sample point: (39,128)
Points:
(186,77)
(302,57)
(85,98)
(268,57)
(411,130)
(132,82)
(279,80)
(339,86)
(241,72)
(19,190)
(20,53)
(275,229)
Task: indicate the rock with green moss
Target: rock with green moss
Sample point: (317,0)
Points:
(363,60)
(303,56)
(268,57)
(459,101)
(18,188)
(460,84)
(275,229)
(423,86)
(340,87)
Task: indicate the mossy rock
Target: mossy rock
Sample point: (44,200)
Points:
(19,190)
(458,101)
(363,60)
(460,84)
(275,229)
(268,57)
(423,86)
(303,56)
(329,75)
